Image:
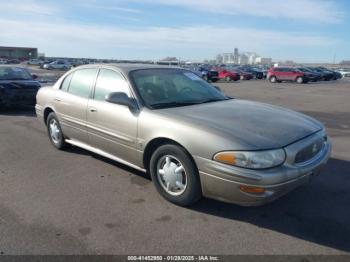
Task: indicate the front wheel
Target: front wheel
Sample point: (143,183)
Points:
(175,176)
(273,79)
(55,132)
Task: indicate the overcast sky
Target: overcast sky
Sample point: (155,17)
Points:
(302,30)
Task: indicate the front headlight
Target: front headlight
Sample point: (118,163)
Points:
(252,159)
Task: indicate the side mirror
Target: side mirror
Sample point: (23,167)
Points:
(34,76)
(120,98)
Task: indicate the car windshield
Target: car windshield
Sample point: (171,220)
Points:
(14,73)
(164,88)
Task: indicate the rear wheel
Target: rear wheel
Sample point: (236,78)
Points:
(55,132)
(299,80)
(175,176)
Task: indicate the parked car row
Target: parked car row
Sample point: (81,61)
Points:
(227,73)
(300,74)
(9,61)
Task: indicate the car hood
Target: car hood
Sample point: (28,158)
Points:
(19,84)
(251,125)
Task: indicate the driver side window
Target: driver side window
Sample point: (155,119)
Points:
(109,81)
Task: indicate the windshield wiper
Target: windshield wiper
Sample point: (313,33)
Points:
(214,100)
(171,104)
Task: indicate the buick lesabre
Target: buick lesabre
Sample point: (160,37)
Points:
(192,139)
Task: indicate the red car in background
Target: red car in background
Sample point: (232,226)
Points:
(278,74)
(228,75)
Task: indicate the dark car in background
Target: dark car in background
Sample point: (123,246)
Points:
(257,73)
(336,75)
(244,75)
(13,62)
(17,87)
(279,74)
(325,75)
(209,74)
(312,75)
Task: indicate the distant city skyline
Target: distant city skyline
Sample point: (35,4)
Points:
(299,30)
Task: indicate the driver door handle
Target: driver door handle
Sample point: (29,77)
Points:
(92,109)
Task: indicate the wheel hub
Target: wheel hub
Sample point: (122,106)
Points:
(172,176)
(54,131)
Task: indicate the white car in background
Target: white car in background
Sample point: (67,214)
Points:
(345,72)
(58,64)
(35,62)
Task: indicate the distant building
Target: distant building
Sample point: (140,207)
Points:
(228,58)
(243,59)
(236,55)
(219,59)
(345,62)
(168,61)
(251,57)
(18,52)
(263,60)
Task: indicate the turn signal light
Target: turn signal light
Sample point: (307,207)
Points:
(225,157)
(252,190)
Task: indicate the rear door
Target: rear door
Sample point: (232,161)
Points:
(71,103)
(111,127)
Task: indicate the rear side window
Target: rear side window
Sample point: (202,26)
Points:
(109,81)
(66,82)
(81,82)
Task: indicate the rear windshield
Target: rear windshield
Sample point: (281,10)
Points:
(14,73)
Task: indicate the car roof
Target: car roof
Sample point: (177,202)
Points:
(126,68)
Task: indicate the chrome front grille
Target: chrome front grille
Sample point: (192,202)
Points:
(309,151)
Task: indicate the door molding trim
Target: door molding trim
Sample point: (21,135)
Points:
(103,153)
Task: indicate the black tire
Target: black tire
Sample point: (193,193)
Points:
(60,143)
(273,79)
(192,192)
(214,80)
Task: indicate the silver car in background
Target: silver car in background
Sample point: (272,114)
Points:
(192,139)
(58,65)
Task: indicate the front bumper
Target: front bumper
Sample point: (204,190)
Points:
(222,182)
